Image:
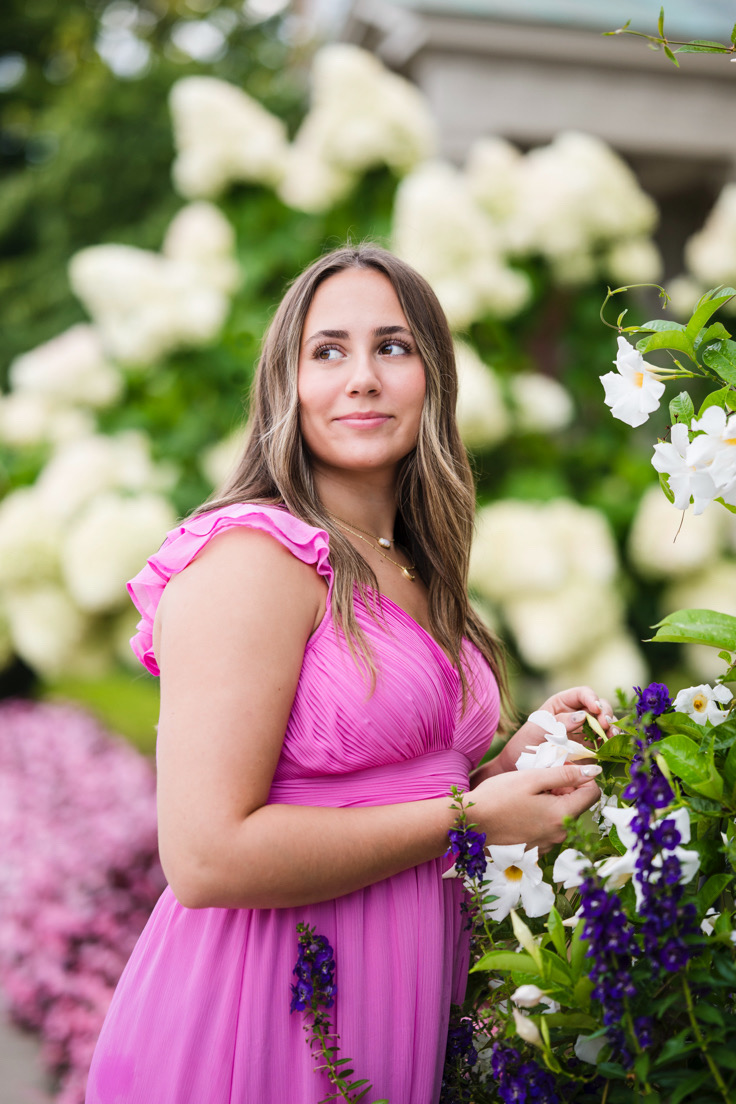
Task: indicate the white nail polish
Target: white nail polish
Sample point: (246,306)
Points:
(591,772)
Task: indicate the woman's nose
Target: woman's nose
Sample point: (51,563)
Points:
(363,377)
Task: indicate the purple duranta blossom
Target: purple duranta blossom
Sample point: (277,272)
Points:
(315,972)
(468,848)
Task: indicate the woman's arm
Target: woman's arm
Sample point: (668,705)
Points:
(231,634)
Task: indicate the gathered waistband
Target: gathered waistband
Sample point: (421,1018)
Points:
(430,775)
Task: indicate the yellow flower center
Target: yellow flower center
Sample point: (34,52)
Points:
(730,441)
(639,379)
(513,873)
(700,703)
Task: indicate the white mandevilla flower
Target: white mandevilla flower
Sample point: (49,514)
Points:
(526,1029)
(703,703)
(687,482)
(634,392)
(588,1047)
(528,996)
(714,450)
(513,875)
(619,868)
(557,749)
(570,868)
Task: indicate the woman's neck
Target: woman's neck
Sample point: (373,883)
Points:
(366,500)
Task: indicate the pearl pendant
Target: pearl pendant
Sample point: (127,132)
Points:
(384,542)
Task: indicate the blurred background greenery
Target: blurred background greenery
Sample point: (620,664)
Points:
(125,373)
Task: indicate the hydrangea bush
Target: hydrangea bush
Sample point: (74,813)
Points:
(118,425)
(70,913)
(621,944)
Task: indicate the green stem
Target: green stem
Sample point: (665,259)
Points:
(658,40)
(329,1067)
(716,1073)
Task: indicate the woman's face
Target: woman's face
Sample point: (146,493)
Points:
(361,381)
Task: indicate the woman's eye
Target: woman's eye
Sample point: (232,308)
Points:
(327,352)
(395,348)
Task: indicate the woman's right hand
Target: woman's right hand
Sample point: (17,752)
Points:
(530,806)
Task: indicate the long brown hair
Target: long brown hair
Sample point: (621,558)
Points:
(435,495)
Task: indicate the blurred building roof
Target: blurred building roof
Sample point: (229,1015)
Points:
(706,19)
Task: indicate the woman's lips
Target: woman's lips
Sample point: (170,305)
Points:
(370,420)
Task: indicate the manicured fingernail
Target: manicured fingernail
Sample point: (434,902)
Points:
(597,702)
(607,719)
(614,730)
(579,715)
(591,772)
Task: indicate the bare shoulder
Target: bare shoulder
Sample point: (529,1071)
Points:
(242,577)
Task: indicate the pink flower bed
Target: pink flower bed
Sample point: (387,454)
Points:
(79,875)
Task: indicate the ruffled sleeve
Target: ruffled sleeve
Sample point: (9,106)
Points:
(182,544)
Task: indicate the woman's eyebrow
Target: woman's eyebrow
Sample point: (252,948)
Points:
(343,335)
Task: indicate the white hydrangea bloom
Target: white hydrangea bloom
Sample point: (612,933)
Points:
(633,261)
(666,544)
(218,461)
(633,392)
(440,230)
(28,418)
(310,183)
(29,540)
(199,234)
(69,369)
(106,544)
(711,253)
(363,115)
(509,557)
(553,629)
(492,170)
(82,469)
(482,417)
(524,548)
(145,304)
(613,663)
(223,135)
(684,293)
(576,194)
(542,404)
(46,628)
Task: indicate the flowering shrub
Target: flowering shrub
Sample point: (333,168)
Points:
(70,913)
(632,972)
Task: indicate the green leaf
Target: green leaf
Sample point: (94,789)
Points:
(660,22)
(658,324)
(705,309)
(712,889)
(508,961)
(716,332)
(671,56)
(617,749)
(685,759)
(729,769)
(698,626)
(681,408)
(708,1014)
(666,489)
(578,949)
(721,358)
(716,398)
(703,46)
(685,1088)
(557,932)
(574,1021)
(671,338)
(670,723)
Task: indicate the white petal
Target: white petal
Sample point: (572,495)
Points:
(527,1029)
(536,899)
(569,868)
(588,1048)
(508,854)
(528,996)
(548,722)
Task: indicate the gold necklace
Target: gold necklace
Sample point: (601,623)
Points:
(405,571)
(385,542)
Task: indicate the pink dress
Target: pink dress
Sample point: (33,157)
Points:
(201,1013)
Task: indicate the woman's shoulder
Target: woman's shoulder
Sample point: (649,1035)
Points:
(185,542)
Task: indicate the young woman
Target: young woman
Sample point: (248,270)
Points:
(324,684)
